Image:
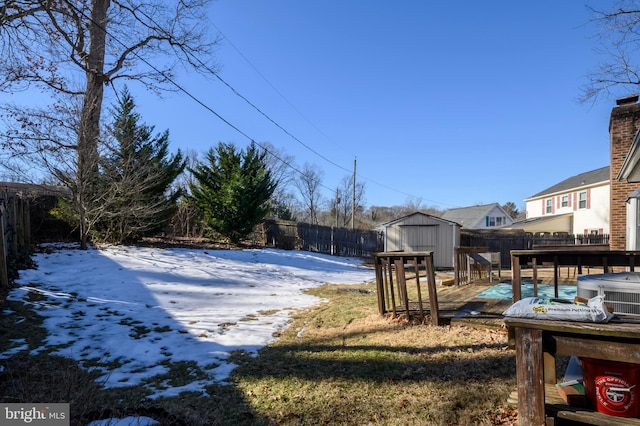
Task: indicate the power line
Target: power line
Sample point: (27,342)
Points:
(273,87)
(296,110)
(237,93)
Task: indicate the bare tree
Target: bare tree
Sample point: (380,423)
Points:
(73,50)
(412,205)
(344,208)
(308,184)
(619,45)
(281,166)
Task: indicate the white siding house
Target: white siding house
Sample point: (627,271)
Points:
(577,205)
(486,216)
(420,232)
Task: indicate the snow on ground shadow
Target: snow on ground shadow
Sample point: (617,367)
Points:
(140,309)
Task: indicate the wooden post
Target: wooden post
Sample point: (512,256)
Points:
(380,284)
(529,372)
(11,246)
(433,295)
(534,274)
(27,225)
(391,291)
(456,266)
(402,284)
(417,272)
(555,276)
(516,279)
(4,275)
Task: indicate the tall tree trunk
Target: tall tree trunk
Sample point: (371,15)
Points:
(89,133)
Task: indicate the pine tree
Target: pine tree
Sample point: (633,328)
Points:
(137,172)
(233,190)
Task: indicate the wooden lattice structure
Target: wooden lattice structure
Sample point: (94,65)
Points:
(400,288)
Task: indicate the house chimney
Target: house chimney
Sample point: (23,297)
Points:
(628,100)
(623,127)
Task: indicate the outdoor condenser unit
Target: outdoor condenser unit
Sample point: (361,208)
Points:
(621,290)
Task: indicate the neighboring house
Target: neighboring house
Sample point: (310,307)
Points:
(420,232)
(488,216)
(577,205)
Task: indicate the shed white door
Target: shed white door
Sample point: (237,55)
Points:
(419,237)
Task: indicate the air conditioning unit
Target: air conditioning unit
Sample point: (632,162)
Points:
(621,290)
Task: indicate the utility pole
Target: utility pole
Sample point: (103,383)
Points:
(353,197)
(337,206)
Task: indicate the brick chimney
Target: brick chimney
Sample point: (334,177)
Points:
(623,126)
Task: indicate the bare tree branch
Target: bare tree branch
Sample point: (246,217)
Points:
(74,48)
(619,45)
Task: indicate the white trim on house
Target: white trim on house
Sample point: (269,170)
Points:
(584,201)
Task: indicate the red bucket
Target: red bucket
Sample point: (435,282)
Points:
(611,387)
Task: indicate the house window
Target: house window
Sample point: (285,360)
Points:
(499,221)
(582,200)
(549,206)
(492,221)
(565,201)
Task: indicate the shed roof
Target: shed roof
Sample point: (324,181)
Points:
(593,177)
(400,219)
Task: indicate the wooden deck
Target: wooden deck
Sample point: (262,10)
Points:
(459,304)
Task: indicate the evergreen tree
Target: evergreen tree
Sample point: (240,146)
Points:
(510,207)
(137,172)
(233,190)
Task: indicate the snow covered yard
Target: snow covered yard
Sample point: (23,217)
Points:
(134,311)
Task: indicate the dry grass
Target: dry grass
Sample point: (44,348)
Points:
(339,363)
(342,363)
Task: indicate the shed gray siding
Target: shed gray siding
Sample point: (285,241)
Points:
(419,233)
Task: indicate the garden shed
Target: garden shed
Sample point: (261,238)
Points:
(420,232)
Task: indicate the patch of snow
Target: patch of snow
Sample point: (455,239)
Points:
(143,308)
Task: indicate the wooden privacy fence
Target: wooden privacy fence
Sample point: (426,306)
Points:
(505,240)
(15,233)
(395,272)
(317,238)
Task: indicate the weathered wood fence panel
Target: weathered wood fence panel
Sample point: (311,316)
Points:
(338,241)
(317,238)
(4,275)
(16,234)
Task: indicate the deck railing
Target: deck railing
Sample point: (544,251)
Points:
(400,289)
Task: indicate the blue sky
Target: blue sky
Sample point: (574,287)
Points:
(448,103)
